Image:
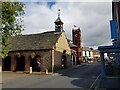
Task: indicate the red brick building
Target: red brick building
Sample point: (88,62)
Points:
(76,37)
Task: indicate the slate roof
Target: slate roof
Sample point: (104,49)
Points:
(58,21)
(40,41)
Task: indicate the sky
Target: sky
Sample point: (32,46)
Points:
(92,18)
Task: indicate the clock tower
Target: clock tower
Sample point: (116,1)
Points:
(76,37)
(58,23)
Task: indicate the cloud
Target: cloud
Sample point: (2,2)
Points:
(92,18)
(63,0)
(50,4)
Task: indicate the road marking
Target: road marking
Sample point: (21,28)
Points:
(94,82)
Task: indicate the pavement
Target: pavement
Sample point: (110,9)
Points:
(61,71)
(74,77)
(111,82)
(70,68)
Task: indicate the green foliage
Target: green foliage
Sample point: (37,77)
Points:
(11,23)
(91,48)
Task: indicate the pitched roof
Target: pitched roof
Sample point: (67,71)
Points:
(44,40)
(86,49)
(58,21)
(95,50)
(71,45)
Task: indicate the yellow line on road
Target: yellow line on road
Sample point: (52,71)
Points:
(94,82)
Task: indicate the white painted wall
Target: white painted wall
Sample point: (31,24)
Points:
(83,53)
(87,54)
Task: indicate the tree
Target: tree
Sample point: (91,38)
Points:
(12,19)
(91,48)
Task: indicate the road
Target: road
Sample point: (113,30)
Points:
(82,76)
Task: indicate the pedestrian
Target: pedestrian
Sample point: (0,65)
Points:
(38,66)
(109,64)
(109,61)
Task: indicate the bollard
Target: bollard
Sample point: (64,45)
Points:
(30,70)
(46,71)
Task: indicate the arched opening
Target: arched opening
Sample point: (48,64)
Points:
(35,63)
(20,62)
(7,63)
(64,60)
(74,61)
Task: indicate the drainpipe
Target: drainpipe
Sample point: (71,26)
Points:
(75,60)
(53,60)
(72,60)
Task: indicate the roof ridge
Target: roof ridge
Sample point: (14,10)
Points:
(37,33)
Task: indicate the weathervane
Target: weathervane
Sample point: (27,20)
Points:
(58,12)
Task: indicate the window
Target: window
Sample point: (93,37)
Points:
(89,54)
(85,53)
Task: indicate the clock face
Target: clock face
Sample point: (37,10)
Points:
(76,35)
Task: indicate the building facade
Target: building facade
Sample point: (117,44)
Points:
(73,52)
(76,37)
(49,49)
(87,54)
(116,17)
(115,36)
(96,55)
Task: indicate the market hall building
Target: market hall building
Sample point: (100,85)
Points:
(48,50)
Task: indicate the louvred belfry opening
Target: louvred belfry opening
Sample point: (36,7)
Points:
(58,23)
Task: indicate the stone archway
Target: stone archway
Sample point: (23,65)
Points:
(7,63)
(36,63)
(20,63)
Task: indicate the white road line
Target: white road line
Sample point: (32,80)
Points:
(94,82)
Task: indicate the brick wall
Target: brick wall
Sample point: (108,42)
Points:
(45,59)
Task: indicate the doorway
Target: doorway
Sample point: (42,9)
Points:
(7,63)
(64,61)
(35,63)
(20,63)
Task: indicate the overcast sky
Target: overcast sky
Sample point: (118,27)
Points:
(92,18)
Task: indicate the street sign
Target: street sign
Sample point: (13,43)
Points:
(113,26)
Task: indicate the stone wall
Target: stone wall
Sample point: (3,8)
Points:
(60,46)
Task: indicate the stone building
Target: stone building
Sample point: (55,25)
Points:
(48,50)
